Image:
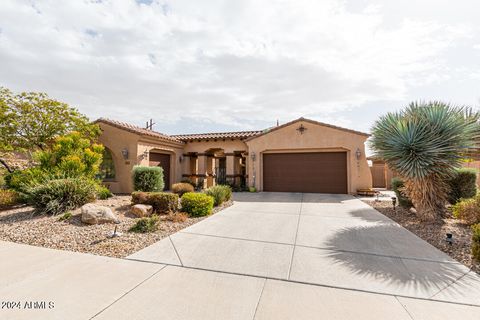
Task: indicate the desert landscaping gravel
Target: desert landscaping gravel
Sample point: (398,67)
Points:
(22,226)
(435,232)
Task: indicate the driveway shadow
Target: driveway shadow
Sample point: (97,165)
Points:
(399,265)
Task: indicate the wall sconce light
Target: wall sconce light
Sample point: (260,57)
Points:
(145,154)
(180,159)
(125,153)
(253,156)
(358,154)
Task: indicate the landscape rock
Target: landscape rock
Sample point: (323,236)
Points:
(142,210)
(95,214)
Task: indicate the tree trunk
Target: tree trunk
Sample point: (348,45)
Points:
(428,197)
(5,164)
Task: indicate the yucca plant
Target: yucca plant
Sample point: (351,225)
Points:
(424,144)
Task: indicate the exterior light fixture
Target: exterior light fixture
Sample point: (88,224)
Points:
(449,238)
(358,154)
(145,154)
(253,156)
(125,153)
(394,202)
(180,158)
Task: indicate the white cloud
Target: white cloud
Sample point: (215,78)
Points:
(220,63)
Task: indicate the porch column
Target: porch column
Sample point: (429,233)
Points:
(230,167)
(185,164)
(202,168)
(209,171)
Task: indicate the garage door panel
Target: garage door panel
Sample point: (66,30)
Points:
(324,172)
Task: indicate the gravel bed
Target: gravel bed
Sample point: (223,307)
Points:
(22,226)
(435,232)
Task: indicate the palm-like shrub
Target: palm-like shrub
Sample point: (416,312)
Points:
(424,144)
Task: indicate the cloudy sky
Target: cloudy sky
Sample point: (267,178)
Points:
(215,65)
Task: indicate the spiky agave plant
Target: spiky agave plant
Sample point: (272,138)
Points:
(424,144)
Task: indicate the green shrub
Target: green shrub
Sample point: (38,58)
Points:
(103,193)
(147,179)
(468,210)
(181,188)
(397,187)
(462,185)
(197,204)
(8,198)
(60,195)
(220,193)
(146,224)
(21,180)
(476,242)
(66,216)
(162,202)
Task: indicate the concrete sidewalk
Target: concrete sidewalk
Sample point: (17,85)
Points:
(83,286)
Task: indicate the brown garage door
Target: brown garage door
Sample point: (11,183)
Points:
(324,172)
(162,160)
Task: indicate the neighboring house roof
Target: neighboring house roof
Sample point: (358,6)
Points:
(138,130)
(217,135)
(310,121)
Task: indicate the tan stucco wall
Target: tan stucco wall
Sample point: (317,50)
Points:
(316,138)
(116,140)
(227,145)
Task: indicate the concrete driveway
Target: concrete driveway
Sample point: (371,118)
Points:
(321,239)
(269,256)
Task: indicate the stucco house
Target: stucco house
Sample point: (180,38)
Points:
(299,156)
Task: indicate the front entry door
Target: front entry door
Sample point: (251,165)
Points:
(162,160)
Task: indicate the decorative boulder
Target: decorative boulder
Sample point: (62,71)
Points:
(142,210)
(95,214)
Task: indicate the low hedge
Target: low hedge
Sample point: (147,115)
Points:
(220,193)
(162,202)
(197,204)
(397,187)
(57,196)
(181,188)
(462,185)
(147,179)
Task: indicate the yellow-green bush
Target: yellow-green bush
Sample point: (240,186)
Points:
(476,242)
(8,198)
(468,210)
(197,204)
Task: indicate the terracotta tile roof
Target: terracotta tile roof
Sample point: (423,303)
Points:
(218,135)
(138,130)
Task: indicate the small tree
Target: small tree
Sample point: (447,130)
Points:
(69,156)
(30,121)
(424,144)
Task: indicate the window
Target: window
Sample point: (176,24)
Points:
(107,168)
